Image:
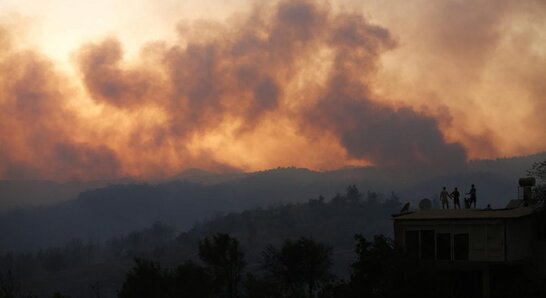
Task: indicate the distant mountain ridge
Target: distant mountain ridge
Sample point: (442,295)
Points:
(27,193)
(16,194)
(110,209)
(510,167)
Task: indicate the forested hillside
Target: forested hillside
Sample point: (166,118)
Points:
(120,208)
(76,265)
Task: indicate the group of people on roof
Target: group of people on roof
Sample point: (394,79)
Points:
(455,195)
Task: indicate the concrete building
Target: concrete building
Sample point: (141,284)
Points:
(477,240)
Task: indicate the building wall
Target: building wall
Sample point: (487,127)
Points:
(521,237)
(495,242)
(539,248)
(486,240)
(398,233)
(478,242)
(539,259)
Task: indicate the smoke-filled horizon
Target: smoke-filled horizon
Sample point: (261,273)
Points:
(293,83)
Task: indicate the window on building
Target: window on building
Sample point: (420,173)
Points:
(443,246)
(460,246)
(427,245)
(412,244)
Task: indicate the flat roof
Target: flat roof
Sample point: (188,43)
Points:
(466,213)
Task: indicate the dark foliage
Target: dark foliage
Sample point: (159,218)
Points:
(256,286)
(302,267)
(220,278)
(382,270)
(538,170)
(353,194)
(10,287)
(126,208)
(146,280)
(191,280)
(333,221)
(224,257)
(375,267)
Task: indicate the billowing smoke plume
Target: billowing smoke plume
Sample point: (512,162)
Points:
(291,83)
(475,66)
(38,130)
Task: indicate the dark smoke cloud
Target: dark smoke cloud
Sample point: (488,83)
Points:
(384,135)
(296,62)
(79,158)
(482,59)
(106,79)
(266,95)
(366,128)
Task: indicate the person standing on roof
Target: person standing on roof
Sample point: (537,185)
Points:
(443,197)
(455,195)
(472,194)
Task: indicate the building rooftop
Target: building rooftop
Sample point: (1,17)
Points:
(466,214)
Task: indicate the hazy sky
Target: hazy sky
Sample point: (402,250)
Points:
(100,89)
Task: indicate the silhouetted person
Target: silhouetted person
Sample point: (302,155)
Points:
(472,194)
(444,198)
(455,195)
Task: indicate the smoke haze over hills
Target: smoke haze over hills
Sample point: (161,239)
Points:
(292,83)
(135,128)
(120,208)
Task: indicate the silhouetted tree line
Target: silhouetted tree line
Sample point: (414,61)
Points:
(77,253)
(10,287)
(302,269)
(299,268)
(247,255)
(538,171)
(333,221)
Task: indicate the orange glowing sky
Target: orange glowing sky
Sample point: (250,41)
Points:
(142,88)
